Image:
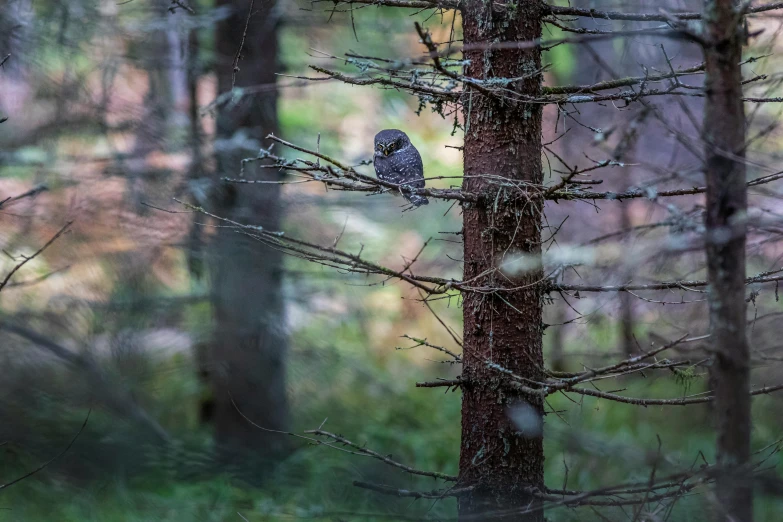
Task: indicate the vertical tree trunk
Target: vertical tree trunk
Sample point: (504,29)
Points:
(195,249)
(196,169)
(498,457)
(627,320)
(724,136)
(152,130)
(247,356)
(557,355)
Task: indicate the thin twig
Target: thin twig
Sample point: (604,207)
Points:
(30,258)
(45,464)
(235,65)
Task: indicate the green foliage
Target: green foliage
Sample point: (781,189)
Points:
(561,57)
(685,377)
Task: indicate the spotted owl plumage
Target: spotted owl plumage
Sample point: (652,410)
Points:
(397,161)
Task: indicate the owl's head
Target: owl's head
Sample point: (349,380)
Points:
(389,141)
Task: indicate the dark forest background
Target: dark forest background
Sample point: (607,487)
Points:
(176,334)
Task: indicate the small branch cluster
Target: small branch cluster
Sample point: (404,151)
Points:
(561,382)
(334,174)
(337,175)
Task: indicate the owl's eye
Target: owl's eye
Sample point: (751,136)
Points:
(379,147)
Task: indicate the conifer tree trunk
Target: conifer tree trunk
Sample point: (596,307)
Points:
(724,136)
(501,139)
(247,356)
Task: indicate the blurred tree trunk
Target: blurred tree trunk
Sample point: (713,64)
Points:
(724,137)
(627,319)
(156,56)
(247,354)
(15,27)
(557,354)
(177,66)
(198,185)
(501,458)
(196,170)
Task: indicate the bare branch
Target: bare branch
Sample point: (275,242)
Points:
(411,4)
(642,17)
(29,194)
(688,285)
(382,458)
(622,82)
(682,401)
(416,88)
(235,64)
(406,493)
(45,464)
(33,256)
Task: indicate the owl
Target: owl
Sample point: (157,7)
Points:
(397,161)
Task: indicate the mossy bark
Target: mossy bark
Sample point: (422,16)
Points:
(498,457)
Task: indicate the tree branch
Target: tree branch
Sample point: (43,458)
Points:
(641,17)
(382,458)
(26,259)
(45,464)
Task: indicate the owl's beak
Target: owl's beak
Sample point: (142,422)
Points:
(385,151)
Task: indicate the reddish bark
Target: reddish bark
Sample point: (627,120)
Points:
(501,139)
